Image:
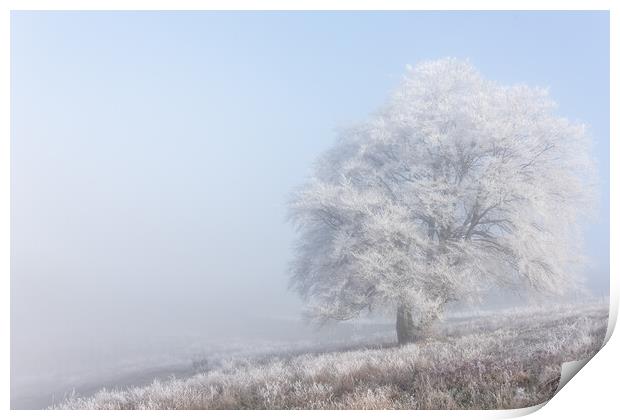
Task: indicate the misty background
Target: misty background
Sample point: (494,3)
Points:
(152,154)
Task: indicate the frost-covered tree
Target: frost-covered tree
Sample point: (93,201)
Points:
(456,185)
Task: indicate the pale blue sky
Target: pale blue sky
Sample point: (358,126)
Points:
(152,152)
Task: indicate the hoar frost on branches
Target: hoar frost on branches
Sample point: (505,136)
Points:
(456,185)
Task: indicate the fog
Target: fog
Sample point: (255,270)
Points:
(152,155)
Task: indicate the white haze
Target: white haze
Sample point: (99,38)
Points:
(152,156)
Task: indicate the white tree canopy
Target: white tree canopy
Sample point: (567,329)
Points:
(455,185)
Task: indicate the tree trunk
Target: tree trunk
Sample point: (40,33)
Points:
(404,325)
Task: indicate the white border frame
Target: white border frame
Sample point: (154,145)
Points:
(592,394)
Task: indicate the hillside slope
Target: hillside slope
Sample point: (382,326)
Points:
(501,360)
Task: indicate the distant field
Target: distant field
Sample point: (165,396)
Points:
(507,359)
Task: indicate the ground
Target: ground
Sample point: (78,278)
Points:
(506,359)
